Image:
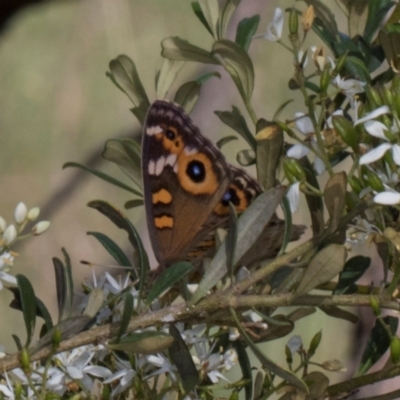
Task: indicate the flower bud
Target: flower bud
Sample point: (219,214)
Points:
(395,350)
(288,353)
(325,80)
(355,184)
(293,170)
(307,18)
(40,227)
(33,213)
(346,130)
(9,235)
(293,22)
(315,341)
(25,361)
(373,96)
(3,224)
(375,305)
(20,213)
(372,179)
(319,58)
(387,95)
(56,338)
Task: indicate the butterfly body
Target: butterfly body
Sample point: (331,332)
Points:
(188,185)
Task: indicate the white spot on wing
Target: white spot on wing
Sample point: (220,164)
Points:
(190,150)
(171,160)
(156,167)
(154,130)
(160,163)
(152,167)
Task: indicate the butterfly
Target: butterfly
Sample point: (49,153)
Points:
(188,186)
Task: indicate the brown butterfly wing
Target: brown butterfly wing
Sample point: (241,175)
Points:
(184,178)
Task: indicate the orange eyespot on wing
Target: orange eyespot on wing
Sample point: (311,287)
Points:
(162,196)
(164,222)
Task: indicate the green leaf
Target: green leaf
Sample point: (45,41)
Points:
(43,312)
(168,278)
(169,71)
(206,76)
(245,31)
(68,278)
(226,15)
(246,367)
(238,64)
(225,140)
(148,342)
(28,302)
(340,313)
(335,196)
(231,238)
(357,69)
(183,360)
(126,315)
(133,203)
(317,383)
(246,157)
(126,77)
(377,11)
(142,261)
(378,343)
(199,14)
(235,120)
(103,176)
(61,289)
(324,266)
(112,248)
(210,10)
(126,153)
(250,226)
(354,268)
(358,13)
(175,48)
(390,44)
(187,95)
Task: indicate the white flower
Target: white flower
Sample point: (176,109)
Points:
(387,198)
(9,235)
(6,260)
(293,195)
(163,365)
(234,334)
(125,373)
(20,213)
(349,87)
(305,126)
(358,234)
(294,344)
(274,28)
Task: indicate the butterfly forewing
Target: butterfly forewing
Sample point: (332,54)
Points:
(184,178)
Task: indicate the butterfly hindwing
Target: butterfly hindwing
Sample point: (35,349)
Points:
(184,178)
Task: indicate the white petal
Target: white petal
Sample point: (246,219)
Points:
(396,153)
(319,165)
(293,196)
(98,371)
(8,278)
(75,373)
(298,151)
(387,198)
(303,123)
(373,114)
(274,28)
(294,343)
(375,154)
(376,129)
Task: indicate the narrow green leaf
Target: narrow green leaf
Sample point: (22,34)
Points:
(123,223)
(199,14)
(183,360)
(378,343)
(112,248)
(68,278)
(126,77)
(225,140)
(133,203)
(231,238)
(206,76)
(126,153)
(210,9)
(187,95)
(238,64)
(103,176)
(323,267)
(175,48)
(354,268)
(250,226)
(126,315)
(168,278)
(246,157)
(377,12)
(246,30)
(169,71)
(335,199)
(226,15)
(148,342)
(357,69)
(43,312)
(337,312)
(28,302)
(61,289)
(235,120)
(246,367)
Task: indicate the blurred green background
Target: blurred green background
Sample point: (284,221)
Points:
(57,105)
